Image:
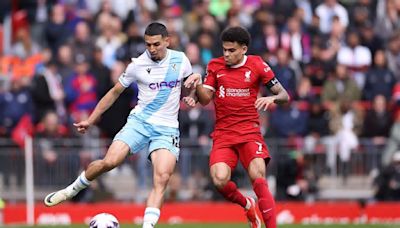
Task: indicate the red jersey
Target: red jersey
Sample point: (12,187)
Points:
(236,89)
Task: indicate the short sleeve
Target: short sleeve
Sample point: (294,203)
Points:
(210,81)
(186,67)
(128,76)
(265,71)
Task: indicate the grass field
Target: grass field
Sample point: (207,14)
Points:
(226,226)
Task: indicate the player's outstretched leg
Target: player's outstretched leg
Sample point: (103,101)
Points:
(114,157)
(55,198)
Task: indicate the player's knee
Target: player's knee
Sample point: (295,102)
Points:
(162,179)
(220,180)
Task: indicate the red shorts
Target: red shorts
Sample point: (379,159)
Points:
(245,151)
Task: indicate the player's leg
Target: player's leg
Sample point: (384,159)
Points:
(164,153)
(253,157)
(114,157)
(163,166)
(131,138)
(222,162)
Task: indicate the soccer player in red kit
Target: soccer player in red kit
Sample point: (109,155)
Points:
(233,81)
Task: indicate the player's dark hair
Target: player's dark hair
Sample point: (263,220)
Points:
(236,34)
(155,29)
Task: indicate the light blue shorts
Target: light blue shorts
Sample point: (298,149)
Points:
(137,134)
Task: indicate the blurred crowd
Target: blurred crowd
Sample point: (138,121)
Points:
(339,60)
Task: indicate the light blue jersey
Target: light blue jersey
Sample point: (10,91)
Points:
(154,120)
(159,85)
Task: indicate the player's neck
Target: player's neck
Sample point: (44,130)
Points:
(241,62)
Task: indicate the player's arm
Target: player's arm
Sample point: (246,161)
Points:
(204,94)
(104,104)
(189,91)
(279,96)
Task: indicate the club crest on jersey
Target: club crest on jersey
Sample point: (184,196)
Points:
(148,70)
(247,75)
(174,67)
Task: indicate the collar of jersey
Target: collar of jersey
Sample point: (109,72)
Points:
(240,64)
(162,60)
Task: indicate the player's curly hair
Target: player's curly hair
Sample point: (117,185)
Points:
(236,34)
(156,28)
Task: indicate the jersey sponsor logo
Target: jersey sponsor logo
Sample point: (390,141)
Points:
(148,70)
(220,75)
(247,75)
(221,92)
(164,85)
(233,92)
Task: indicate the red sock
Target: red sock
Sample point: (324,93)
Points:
(231,193)
(266,202)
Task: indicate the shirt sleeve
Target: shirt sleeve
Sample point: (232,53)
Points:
(186,67)
(210,81)
(128,76)
(265,71)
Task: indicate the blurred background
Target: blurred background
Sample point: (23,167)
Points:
(336,141)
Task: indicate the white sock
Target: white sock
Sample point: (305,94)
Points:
(80,183)
(248,204)
(151,216)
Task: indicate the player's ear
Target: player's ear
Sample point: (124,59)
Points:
(244,49)
(167,40)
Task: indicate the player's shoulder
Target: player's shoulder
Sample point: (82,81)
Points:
(257,63)
(216,64)
(142,59)
(175,54)
(255,60)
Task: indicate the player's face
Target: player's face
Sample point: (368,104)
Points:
(233,52)
(156,46)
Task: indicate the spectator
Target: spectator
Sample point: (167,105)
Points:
(101,73)
(24,46)
(345,122)
(133,46)
(48,94)
(327,11)
(56,30)
(285,73)
(357,58)
(340,87)
(65,63)
(379,79)
(288,121)
(80,90)
(82,43)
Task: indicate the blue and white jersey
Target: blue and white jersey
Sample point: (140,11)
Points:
(159,85)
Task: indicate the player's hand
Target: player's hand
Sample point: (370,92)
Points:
(264,102)
(193,80)
(189,101)
(82,126)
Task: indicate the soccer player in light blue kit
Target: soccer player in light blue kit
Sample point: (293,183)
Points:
(159,73)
